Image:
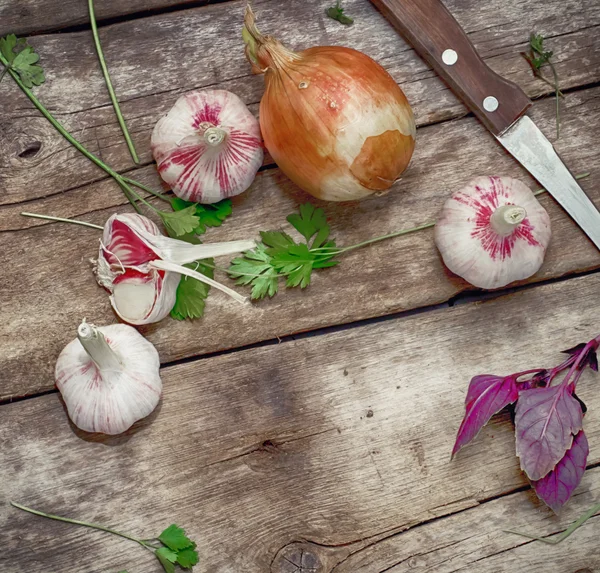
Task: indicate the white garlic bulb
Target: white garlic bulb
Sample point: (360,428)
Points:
(108,377)
(493,232)
(208,147)
(141,268)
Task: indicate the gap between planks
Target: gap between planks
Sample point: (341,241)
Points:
(465,297)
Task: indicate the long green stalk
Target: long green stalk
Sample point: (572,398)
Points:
(109,85)
(569,531)
(83,523)
(62,220)
(124,183)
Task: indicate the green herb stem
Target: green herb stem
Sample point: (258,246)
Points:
(83,523)
(124,183)
(62,220)
(146,188)
(566,533)
(109,85)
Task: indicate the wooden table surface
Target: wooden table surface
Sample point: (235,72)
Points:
(310,432)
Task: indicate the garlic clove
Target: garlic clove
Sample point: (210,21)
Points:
(493,232)
(141,268)
(109,378)
(208,147)
(144,298)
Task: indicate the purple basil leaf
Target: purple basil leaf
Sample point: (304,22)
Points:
(546,421)
(556,488)
(576,349)
(487,395)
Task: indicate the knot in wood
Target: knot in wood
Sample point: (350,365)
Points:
(298,558)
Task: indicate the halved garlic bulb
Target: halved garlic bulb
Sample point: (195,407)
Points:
(108,377)
(141,268)
(493,232)
(208,147)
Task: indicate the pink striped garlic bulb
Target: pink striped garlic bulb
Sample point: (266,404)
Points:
(493,232)
(141,268)
(208,147)
(108,377)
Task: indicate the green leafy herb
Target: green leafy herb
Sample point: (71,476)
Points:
(208,215)
(192,294)
(538,57)
(279,255)
(20,57)
(255,268)
(172,547)
(181,222)
(337,13)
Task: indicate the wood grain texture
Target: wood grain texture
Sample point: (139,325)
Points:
(327,445)
(33,16)
(154,60)
(391,276)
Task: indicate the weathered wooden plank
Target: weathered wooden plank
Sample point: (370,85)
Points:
(475,541)
(32,16)
(150,70)
(338,440)
(48,265)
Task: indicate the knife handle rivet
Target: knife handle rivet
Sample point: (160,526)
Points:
(490,103)
(449,57)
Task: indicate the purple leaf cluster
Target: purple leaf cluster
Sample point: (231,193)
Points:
(548,417)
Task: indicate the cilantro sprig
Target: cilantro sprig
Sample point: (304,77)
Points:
(538,57)
(21,62)
(173,548)
(22,59)
(279,255)
(337,13)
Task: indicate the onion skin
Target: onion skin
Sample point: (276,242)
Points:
(334,120)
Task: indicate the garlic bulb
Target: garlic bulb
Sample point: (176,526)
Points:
(208,147)
(335,122)
(108,377)
(493,232)
(141,268)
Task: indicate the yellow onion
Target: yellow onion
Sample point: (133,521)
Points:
(333,119)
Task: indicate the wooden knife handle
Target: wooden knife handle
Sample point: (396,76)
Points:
(439,39)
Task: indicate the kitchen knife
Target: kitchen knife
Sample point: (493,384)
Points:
(498,103)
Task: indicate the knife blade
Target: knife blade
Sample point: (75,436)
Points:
(500,104)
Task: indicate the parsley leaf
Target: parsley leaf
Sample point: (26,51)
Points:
(191,298)
(309,222)
(255,268)
(174,537)
(278,255)
(181,222)
(187,558)
(22,59)
(337,13)
(538,57)
(167,558)
(211,215)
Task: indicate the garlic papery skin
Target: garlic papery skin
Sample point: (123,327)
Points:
(108,377)
(208,147)
(141,268)
(335,122)
(493,232)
